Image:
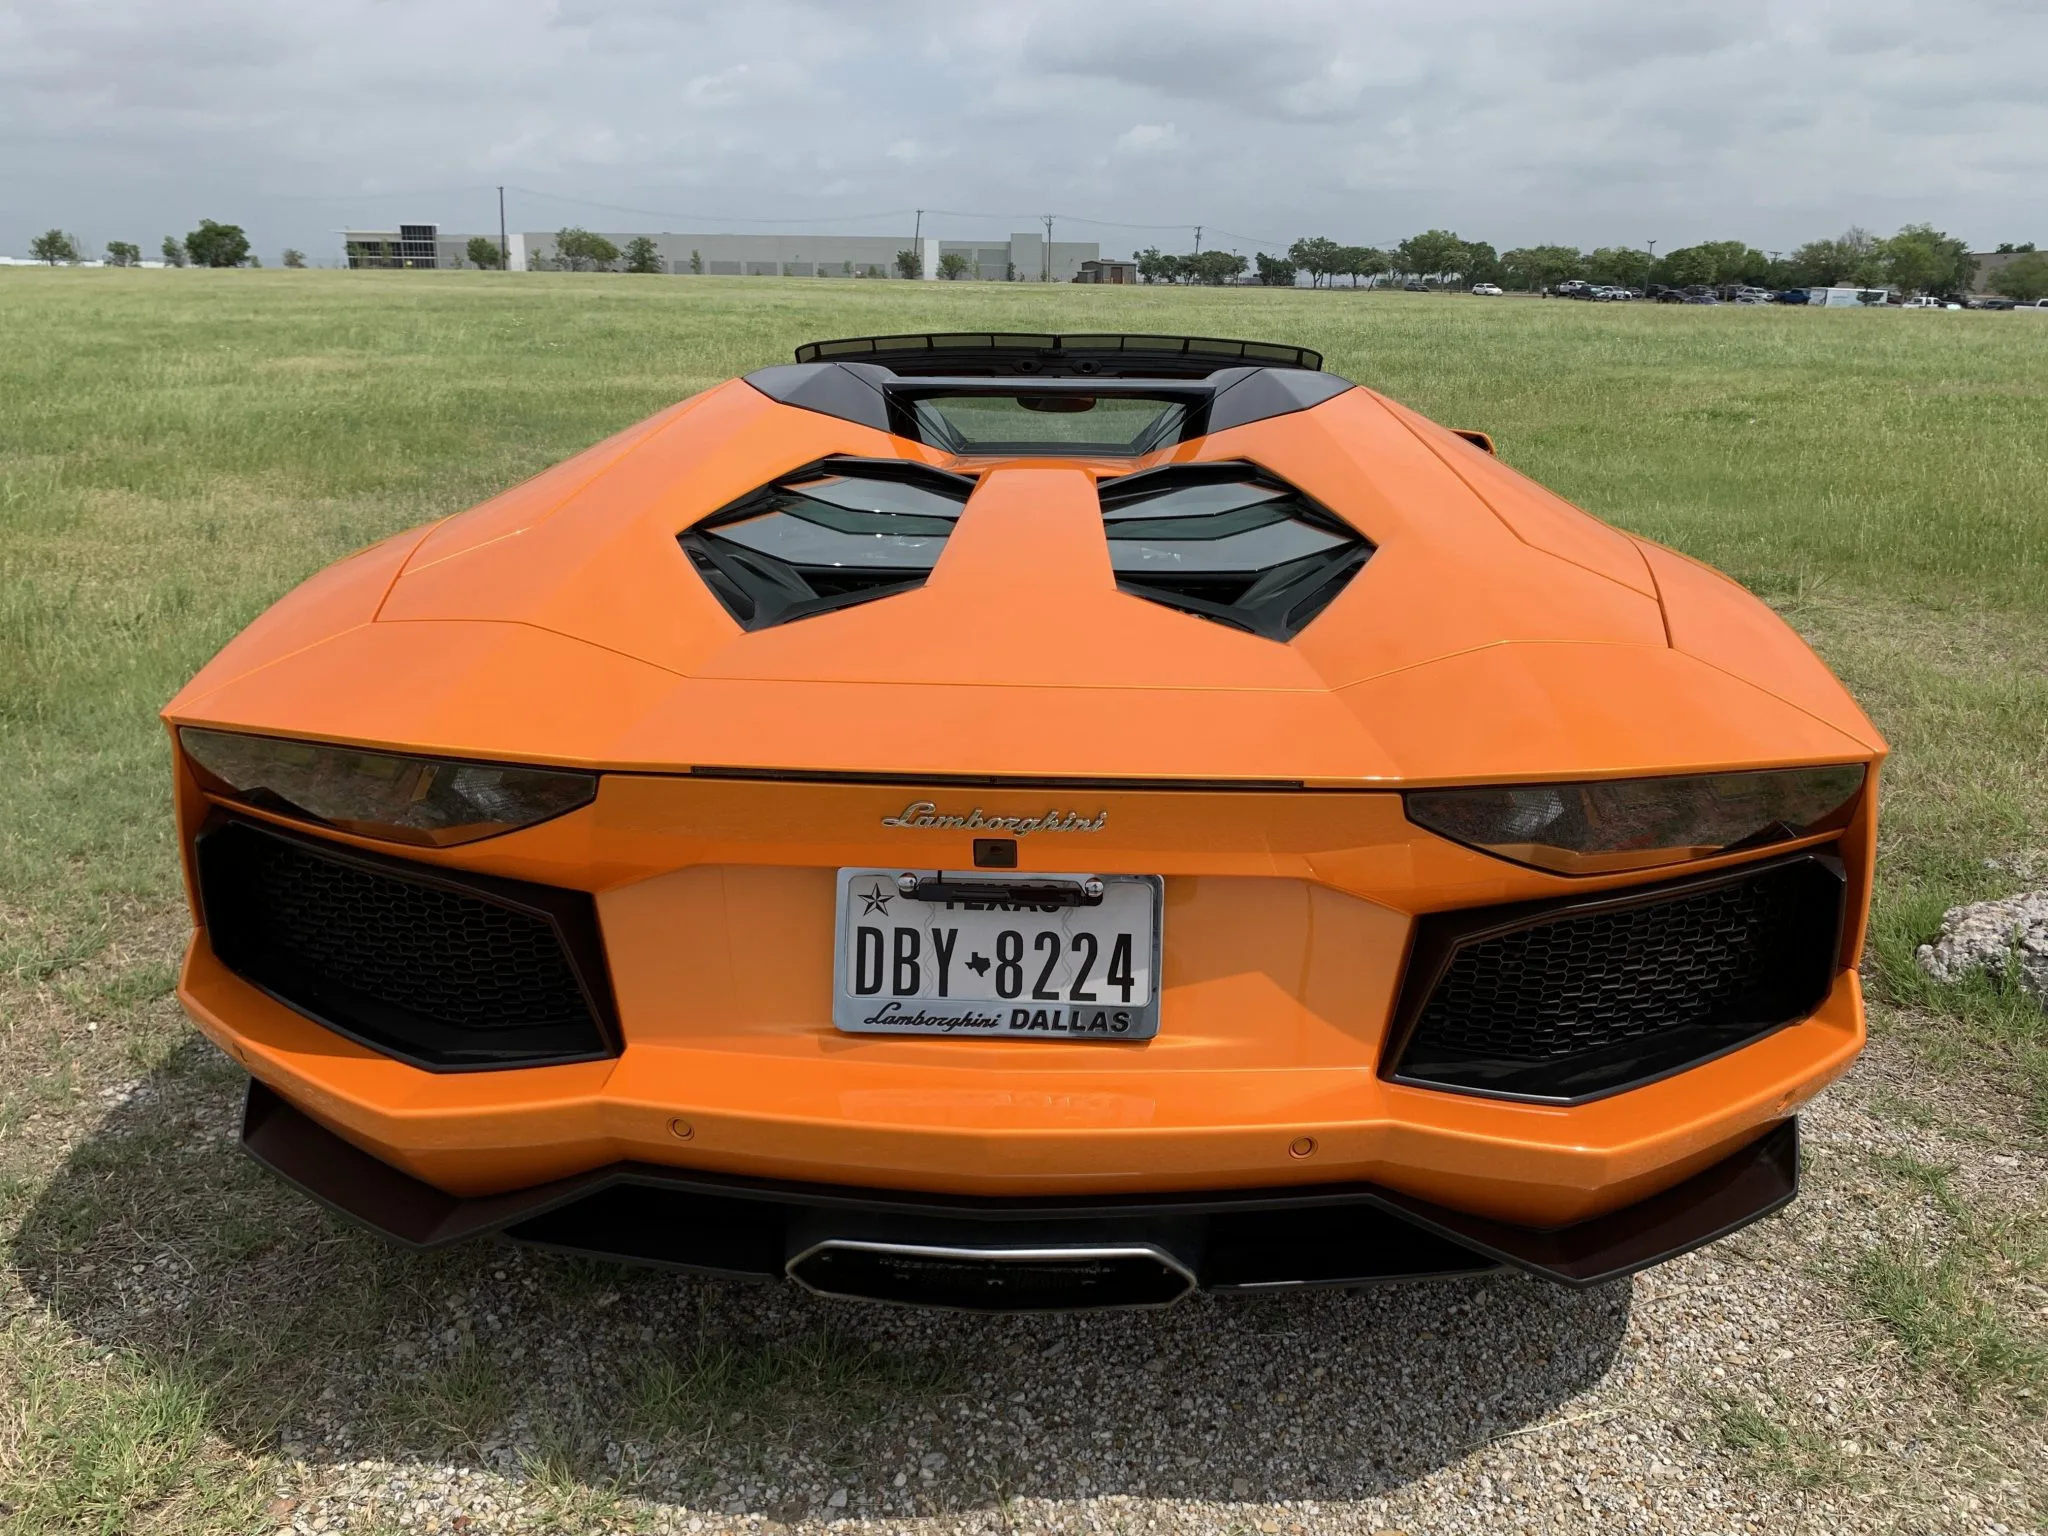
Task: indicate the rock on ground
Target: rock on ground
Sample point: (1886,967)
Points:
(1989,936)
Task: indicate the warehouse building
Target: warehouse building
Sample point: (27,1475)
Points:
(1021,258)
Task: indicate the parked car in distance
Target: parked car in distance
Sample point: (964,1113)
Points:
(1699,298)
(1994,303)
(1791,296)
(1413,285)
(1926,301)
(1487,290)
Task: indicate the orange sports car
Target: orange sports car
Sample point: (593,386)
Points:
(1021,821)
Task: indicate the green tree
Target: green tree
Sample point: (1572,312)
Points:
(907,264)
(1482,263)
(1154,266)
(294,258)
(174,252)
(697,265)
(1434,253)
(1356,261)
(1686,267)
(1317,255)
(1276,271)
(1850,258)
(217,245)
(121,254)
(1542,266)
(483,251)
(578,250)
(2025,279)
(642,255)
(1622,266)
(2007,248)
(1214,268)
(1922,259)
(1712,262)
(53,246)
(954,265)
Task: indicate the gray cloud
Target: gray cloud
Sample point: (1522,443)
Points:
(1591,120)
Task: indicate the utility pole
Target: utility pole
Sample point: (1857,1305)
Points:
(1048,247)
(917,241)
(504,245)
(1198,239)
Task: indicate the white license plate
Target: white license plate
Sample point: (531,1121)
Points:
(1013,969)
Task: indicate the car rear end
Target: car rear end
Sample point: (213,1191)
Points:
(1362,1051)
(1031,841)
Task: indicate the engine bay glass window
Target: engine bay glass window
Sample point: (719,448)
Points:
(1120,425)
(1229,543)
(1621,824)
(428,801)
(826,537)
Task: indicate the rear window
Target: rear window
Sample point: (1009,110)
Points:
(1113,425)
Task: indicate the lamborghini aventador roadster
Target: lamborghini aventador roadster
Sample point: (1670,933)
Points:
(1024,821)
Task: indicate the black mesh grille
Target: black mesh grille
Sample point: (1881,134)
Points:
(445,972)
(1573,1001)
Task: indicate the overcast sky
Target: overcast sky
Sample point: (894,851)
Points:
(1578,121)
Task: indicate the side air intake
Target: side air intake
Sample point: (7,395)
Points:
(1570,999)
(827,536)
(1230,543)
(448,970)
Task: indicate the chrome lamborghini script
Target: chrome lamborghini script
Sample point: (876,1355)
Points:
(924,813)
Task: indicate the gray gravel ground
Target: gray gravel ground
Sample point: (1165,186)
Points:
(500,1390)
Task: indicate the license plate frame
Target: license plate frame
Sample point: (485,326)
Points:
(1028,1016)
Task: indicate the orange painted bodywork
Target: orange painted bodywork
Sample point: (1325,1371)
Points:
(1497,634)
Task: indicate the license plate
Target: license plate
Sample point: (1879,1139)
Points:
(1011,969)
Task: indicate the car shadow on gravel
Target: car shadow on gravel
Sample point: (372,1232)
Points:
(158,1238)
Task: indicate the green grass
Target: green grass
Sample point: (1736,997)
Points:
(1779,1442)
(1953,1306)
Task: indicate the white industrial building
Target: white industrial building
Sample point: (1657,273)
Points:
(1020,258)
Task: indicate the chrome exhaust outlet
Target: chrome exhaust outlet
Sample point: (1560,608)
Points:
(993,1279)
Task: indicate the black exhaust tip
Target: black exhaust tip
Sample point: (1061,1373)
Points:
(993,1279)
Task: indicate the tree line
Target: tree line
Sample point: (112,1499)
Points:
(210,245)
(1918,259)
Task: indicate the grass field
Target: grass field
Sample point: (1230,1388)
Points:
(178,448)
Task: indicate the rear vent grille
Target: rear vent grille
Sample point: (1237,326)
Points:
(442,970)
(1571,1000)
(1230,543)
(832,534)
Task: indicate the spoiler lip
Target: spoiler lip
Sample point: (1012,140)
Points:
(1227,1240)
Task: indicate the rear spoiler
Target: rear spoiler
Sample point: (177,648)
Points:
(957,354)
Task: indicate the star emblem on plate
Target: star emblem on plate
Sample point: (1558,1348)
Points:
(876,898)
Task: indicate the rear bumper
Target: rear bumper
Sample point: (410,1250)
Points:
(955,1250)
